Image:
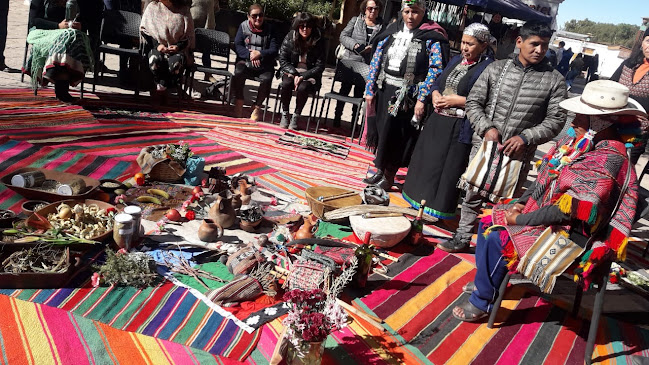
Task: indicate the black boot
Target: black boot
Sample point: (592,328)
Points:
(374,178)
(387,180)
(61,90)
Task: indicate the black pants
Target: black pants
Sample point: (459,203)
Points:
(4,12)
(243,72)
(302,93)
(166,69)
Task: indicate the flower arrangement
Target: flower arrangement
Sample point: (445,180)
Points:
(178,152)
(311,318)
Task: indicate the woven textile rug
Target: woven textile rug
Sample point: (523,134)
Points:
(417,304)
(35,333)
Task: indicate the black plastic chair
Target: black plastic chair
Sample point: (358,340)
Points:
(116,26)
(315,100)
(215,43)
(341,74)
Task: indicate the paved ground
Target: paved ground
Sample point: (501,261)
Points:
(14,53)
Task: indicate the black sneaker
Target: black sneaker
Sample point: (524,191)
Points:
(455,244)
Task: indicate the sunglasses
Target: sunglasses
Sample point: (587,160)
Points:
(304,26)
(255,16)
(372,8)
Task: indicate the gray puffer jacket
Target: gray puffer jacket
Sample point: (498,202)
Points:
(356,32)
(527,103)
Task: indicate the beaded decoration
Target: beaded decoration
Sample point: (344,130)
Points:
(567,153)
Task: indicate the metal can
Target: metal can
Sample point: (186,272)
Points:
(135,212)
(28,179)
(123,230)
(72,187)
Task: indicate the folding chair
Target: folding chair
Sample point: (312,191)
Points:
(215,43)
(116,26)
(341,74)
(315,100)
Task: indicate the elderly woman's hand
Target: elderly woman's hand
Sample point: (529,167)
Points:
(172,49)
(162,48)
(420,110)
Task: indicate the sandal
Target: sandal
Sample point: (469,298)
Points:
(454,245)
(469,313)
(469,287)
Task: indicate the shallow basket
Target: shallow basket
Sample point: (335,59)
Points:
(163,172)
(319,208)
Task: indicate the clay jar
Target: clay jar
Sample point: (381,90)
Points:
(209,231)
(222,212)
(306,230)
(244,191)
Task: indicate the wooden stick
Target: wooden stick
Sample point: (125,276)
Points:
(380,215)
(377,253)
(337,196)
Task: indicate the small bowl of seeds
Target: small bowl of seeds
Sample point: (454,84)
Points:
(110,185)
(30,206)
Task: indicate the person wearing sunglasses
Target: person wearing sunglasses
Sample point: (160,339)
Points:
(356,40)
(301,61)
(256,48)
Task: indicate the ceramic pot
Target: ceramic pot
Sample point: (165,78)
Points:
(306,230)
(209,231)
(244,191)
(310,353)
(236,201)
(222,211)
(249,226)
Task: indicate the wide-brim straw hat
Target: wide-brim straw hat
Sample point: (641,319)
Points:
(604,97)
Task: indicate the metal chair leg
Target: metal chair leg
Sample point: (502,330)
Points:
(314,102)
(576,304)
(499,300)
(82,82)
(22,74)
(317,125)
(354,122)
(277,102)
(597,313)
(137,82)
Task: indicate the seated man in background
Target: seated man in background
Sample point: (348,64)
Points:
(256,48)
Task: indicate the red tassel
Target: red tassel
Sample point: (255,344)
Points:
(583,210)
(615,239)
(598,254)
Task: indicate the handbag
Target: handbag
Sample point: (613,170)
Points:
(341,51)
(491,173)
(553,251)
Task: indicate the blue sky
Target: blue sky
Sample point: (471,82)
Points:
(604,11)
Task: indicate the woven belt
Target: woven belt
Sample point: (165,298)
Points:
(451,112)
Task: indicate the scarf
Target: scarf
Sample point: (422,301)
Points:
(168,27)
(253,29)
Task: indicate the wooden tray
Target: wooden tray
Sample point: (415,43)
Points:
(62,177)
(319,208)
(33,280)
(72,202)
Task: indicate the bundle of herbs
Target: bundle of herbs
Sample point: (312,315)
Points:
(37,259)
(127,269)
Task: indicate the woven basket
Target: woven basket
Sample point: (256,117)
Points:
(159,169)
(319,208)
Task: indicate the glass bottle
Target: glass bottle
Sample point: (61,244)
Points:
(416,235)
(71,10)
(363,254)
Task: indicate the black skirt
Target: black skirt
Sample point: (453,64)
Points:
(438,161)
(396,135)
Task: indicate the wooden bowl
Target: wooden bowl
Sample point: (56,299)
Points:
(319,208)
(28,206)
(385,232)
(62,177)
(9,218)
(44,212)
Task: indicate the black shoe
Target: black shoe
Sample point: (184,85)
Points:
(455,245)
(374,178)
(386,183)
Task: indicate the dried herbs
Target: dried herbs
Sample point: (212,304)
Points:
(128,269)
(38,259)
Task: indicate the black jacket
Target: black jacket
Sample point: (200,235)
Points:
(289,57)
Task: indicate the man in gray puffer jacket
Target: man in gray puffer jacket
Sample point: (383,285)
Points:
(526,114)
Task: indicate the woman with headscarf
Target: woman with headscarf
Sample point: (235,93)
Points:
(167,29)
(301,62)
(442,150)
(634,74)
(408,59)
(579,193)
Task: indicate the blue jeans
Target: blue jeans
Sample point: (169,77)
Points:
(491,269)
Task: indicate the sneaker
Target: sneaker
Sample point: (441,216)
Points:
(455,244)
(294,120)
(160,87)
(256,113)
(238,108)
(284,121)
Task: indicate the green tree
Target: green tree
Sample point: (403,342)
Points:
(284,9)
(606,33)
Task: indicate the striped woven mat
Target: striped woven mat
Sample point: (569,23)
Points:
(31,333)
